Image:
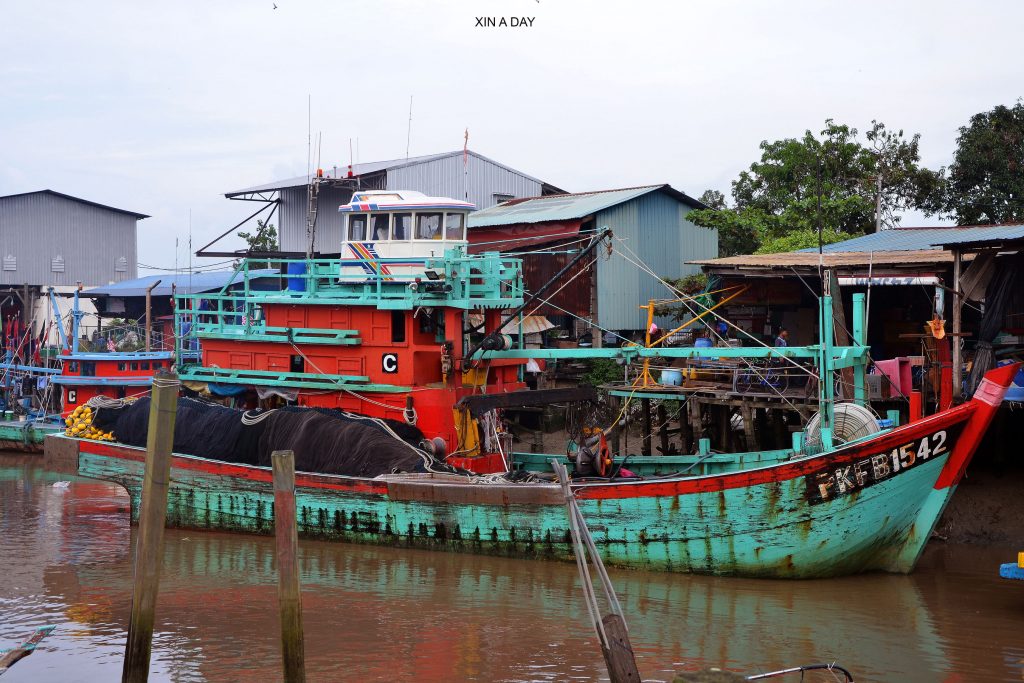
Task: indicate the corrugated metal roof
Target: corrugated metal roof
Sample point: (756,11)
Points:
(910,239)
(184,283)
(804,259)
(140,216)
(561,207)
(993,233)
(371,167)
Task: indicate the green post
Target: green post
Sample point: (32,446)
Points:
(825,386)
(798,442)
(893,415)
(149,552)
(860,395)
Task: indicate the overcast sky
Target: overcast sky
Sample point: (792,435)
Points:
(162,108)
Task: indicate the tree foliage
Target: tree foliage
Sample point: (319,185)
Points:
(264,239)
(776,201)
(986,178)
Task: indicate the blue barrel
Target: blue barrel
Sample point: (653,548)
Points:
(297,284)
(703,343)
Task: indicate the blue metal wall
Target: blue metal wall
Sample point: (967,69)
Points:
(655,228)
(39,231)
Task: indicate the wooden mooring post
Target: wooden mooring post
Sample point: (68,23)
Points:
(611,629)
(149,547)
(286,535)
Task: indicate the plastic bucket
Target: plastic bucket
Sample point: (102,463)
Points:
(671,378)
(297,284)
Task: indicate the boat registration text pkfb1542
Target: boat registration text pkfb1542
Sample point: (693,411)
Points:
(841,480)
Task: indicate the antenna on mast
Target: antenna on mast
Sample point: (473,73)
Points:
(309,135)
(408,132)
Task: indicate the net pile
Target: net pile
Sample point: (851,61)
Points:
(325,441)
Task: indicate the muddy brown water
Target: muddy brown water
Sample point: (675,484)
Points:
(385,614)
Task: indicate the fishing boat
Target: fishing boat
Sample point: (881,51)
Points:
(387,336)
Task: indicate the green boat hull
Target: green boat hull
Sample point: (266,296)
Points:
(24,436)
(786,520)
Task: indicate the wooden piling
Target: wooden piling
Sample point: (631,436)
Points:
(696,421)
(663,428)
(287,539)
(616,403)
(618,652)
(645,444)
(611,629)
(685,430)
(749,426)
(149,547)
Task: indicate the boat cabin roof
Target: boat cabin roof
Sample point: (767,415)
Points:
(401,200)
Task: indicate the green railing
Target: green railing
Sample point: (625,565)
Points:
(455,280)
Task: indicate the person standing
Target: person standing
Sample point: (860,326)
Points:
(782,340)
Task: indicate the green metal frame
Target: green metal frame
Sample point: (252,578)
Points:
(299,380)
(826,357)
(480,281)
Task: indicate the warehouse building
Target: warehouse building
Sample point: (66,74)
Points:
(460,175)
(49,239)
(650,227)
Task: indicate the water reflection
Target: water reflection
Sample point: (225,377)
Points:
(386,614)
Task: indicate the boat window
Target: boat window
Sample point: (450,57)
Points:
(428,226)
(122,366)
(453,223)
(145,365)
(402,226)
(357,227)
(135,366)
(73,366)
(380,226)
(397,326)
(89,368)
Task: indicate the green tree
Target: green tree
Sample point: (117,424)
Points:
(986,178)
(264,239)
(860,186)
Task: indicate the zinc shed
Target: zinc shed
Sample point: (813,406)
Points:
(49,238)
(651,231)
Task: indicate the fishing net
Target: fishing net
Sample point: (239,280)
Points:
(406,432)
(323,443)
(323,440)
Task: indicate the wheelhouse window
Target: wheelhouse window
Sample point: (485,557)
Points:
(401,227)
(380,226)
(428,226)
(357,227)
(397,327)
(453,226)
